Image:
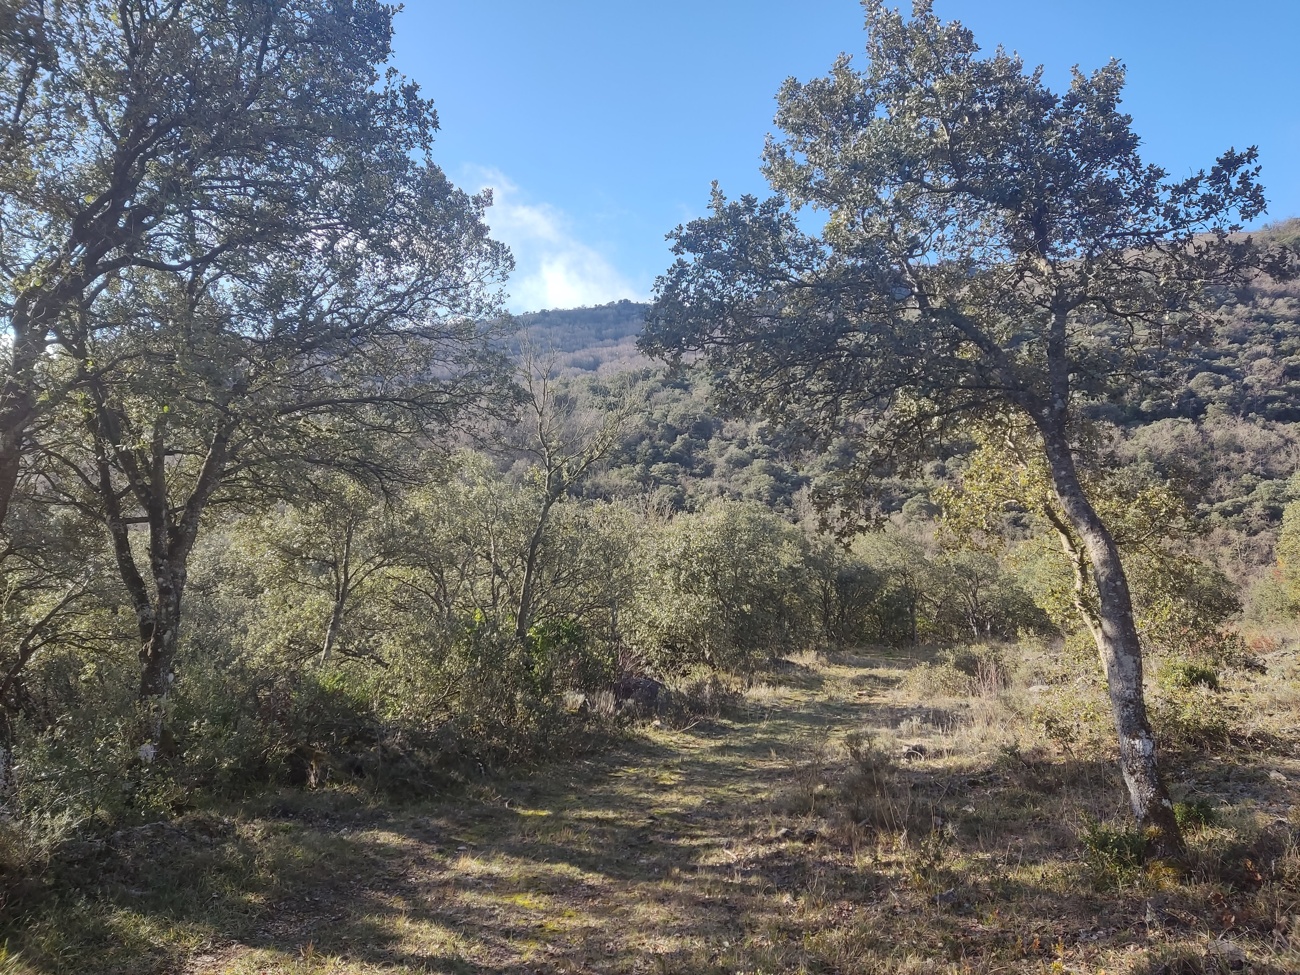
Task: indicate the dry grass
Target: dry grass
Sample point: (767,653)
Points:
(845,817)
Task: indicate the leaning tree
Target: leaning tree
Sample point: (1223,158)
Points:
(989,246)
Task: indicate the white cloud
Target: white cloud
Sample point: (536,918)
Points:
(553,268)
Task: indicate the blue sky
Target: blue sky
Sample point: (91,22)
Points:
(601,123)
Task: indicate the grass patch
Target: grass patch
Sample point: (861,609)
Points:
(836,815)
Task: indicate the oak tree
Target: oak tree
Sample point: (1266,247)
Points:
(988,245)
(171,134)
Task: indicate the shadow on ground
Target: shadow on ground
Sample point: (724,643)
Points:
(738,845)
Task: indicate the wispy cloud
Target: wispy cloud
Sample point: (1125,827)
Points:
(553,268)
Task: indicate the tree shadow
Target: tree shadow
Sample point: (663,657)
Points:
(672,854)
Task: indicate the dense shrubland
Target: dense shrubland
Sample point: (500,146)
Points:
(355,636)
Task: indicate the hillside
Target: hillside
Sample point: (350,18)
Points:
(599,340)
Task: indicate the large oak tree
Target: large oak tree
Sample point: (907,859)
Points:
(168,135)
(988,245)
(227,262)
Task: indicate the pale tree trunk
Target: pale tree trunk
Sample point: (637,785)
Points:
(1118,645)
(528,586)
(342,590)
(332,632)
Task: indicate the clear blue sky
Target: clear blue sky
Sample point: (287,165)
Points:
(601,123)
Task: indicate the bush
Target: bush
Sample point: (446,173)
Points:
(1186,675)
(727,588)
(971,671)
(1193,718)
(1114,854)
(1195,814)
(873,791)
(1075,721)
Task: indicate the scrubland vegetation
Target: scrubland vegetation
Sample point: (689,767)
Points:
(350,625)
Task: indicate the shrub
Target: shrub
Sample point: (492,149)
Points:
(1185,674)
(967,671)
(1114,854)
(1191,718)
(872,790)
(1075,721)
(726,588)
(1195,814)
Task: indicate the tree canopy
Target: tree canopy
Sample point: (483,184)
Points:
(196,141)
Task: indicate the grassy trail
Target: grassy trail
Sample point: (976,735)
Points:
(747,844)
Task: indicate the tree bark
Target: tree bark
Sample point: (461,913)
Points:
(28,323)
(1118,646)
(158,637)
(524,610)
(342,590)
(172,534)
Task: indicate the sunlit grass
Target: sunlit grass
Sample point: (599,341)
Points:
(842,821)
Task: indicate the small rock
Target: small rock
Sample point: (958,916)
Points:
(1229,954)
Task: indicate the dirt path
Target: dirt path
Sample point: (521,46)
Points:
(751,844)
(665,856)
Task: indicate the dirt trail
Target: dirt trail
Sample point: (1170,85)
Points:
(749,844)
(663,856)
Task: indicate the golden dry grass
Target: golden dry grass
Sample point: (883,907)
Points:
(848,821)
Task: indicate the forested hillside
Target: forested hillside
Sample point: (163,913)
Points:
(1216,420)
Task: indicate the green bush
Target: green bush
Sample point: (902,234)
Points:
(1191,718)
(967,671)
(1195,814)
(727,588)
(1185,674)
(1114,854)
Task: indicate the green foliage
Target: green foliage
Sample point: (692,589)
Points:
(246,409)
(964,671)
(979,229)
(1114,854)
(1195,813)
(1185,674)
(726,587)
(1285,579)
(1191,718)
(1074,721)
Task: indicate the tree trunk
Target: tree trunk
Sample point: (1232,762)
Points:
(27,325)
(332,631)
(6,763)
(342,589)
(524,610)
(159,637)
(1118,645)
